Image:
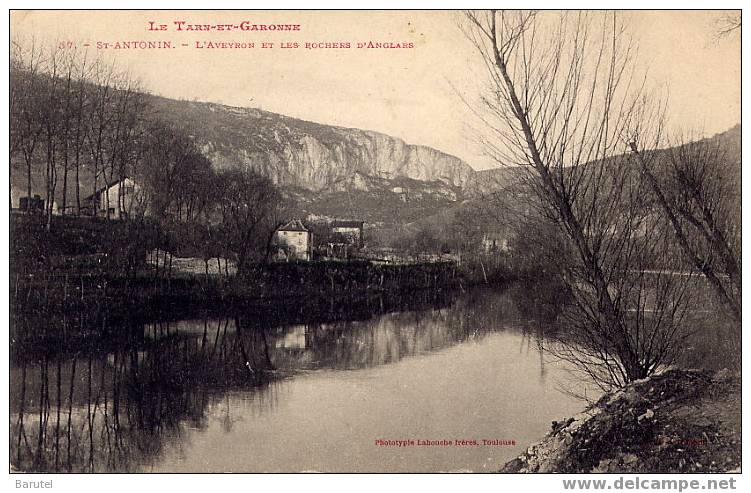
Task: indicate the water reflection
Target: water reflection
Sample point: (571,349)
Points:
(112,412)
(249,392)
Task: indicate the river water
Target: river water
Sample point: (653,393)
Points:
(462,380)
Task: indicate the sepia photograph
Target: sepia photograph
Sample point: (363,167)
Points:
(375,241)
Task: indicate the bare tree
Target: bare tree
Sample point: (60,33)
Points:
(124,138)
(100,118)
(67,117)
(52,113)
(248,204)
(79,121)
(693,184)
(26,106)
(562,99)
(169,163)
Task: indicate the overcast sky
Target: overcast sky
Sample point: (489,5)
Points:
(407,93)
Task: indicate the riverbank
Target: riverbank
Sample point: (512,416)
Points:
(69,323)
(59,290)
(686,421)
(87,264)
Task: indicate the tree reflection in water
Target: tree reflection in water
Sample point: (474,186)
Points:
(119,405)
(117,409)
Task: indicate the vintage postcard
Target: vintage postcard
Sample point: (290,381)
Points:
(375,241)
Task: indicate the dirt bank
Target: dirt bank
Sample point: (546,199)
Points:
(679,421)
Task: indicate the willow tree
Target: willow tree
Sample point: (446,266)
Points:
(563,100)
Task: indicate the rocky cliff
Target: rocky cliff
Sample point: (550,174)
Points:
(304,154)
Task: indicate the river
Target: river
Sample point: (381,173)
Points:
(457,383)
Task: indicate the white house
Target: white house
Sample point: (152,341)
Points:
(123,199)
(293,241)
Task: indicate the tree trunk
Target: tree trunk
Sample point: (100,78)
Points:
(65,188)
(701,265)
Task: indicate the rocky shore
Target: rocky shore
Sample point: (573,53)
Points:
(678,421)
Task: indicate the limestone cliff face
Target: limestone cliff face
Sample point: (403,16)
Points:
(304,154)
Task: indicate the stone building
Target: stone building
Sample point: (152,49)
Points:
(292,241)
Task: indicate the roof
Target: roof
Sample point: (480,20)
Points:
(103,188)
(293,225)
(347,224)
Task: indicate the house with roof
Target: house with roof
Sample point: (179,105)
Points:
(292,241)
(119,200)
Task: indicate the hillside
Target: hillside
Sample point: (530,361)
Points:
(487,188)
(489,180)
(330,171)
(377,201)
(304,154)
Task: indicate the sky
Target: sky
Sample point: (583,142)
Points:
(418,94)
